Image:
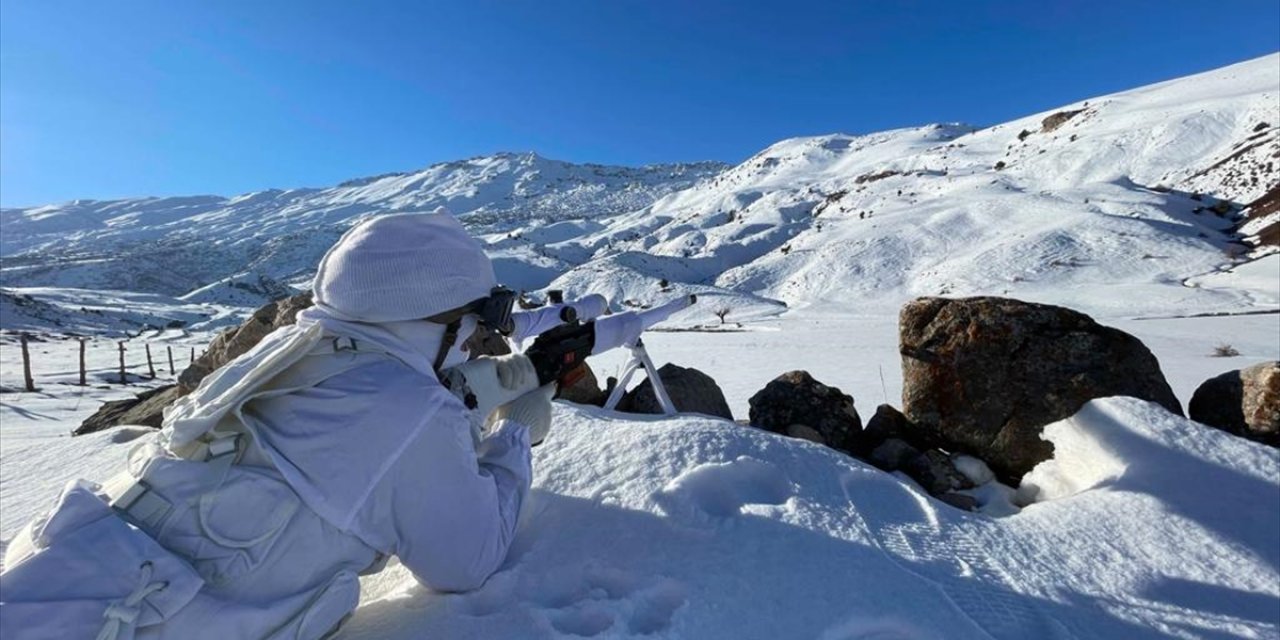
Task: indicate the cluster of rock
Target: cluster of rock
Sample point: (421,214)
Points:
(981,379)
(983,376)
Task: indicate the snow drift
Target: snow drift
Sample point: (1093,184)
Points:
(1146,525)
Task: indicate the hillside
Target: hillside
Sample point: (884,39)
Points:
(1135,191)
(175,246)
(1139,192)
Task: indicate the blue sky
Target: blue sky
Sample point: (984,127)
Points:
(123,98)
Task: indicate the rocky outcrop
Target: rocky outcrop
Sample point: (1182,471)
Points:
(148,408)
(1244,402)
(230,344)
(145,409)
(984,375)
(1261,224)
(796,399)
(1055,120)
(691,391)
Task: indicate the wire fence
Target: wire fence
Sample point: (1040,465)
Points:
(129,361)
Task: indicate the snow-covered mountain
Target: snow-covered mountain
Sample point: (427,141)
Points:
(1143,525)
(1121,191)
(182,246)
(1138,192)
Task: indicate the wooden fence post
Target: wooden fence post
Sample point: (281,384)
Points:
(26,365)
(82,368)
(151,368)
(169,348)
(123,379)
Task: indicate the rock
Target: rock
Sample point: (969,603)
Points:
(893,454)
(584,390)
(1053,121)
(935,472)
(230,344)
(805,432)
(889,423)
(1244,402)
(691,391)
(148,408)
(960,501)
(796,398)
(145,409)
(1260,218)
(984,375)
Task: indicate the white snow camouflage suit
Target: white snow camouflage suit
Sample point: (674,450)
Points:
(308,460)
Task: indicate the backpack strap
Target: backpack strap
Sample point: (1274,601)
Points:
(134,499)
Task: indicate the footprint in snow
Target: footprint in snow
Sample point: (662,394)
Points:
(716,491)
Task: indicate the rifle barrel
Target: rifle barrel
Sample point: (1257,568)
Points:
(625,328)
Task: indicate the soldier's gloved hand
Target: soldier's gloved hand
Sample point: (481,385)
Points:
(532,410)
(486,382)
(516,372)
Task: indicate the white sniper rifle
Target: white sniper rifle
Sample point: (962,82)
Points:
(566,335)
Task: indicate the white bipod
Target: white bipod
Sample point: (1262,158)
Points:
(624,329)
(639,358)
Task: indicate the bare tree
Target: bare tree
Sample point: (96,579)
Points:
(721,312)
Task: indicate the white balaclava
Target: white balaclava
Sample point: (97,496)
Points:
(402,267)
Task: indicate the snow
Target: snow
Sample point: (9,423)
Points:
(1260,277)
(1148,525)
(694,527)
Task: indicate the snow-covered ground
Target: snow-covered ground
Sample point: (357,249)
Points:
(693,527)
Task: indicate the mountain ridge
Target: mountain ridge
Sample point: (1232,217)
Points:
(1140,190)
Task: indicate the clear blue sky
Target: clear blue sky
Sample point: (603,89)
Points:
(103,99)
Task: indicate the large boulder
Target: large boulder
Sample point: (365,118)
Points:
(1244,402)
(691,391)
(984,375)
(794,400)
(232,343)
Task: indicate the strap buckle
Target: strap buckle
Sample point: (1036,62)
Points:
(142,505)
(223,446)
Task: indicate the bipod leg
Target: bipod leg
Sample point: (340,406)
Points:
(616,395)
(659,390)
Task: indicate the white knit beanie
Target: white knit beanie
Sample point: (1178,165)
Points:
(402,267)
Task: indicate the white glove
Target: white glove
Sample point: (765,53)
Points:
(487,382)
(516,372)
(532,410)
(590,307)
